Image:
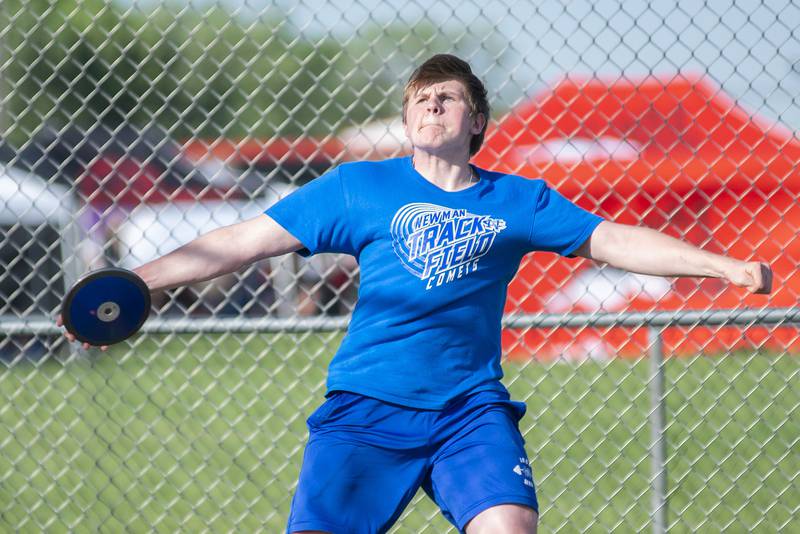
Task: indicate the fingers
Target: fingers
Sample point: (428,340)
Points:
(71,338)
(764,278)
(60,323)
(754,276)
(103,348)
(758,278)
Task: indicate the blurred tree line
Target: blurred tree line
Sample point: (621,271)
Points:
(195,71)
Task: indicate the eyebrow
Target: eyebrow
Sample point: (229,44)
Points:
(445,92)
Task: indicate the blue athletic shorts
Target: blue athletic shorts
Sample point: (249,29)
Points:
(366,458)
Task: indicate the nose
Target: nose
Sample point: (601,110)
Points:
(434,106)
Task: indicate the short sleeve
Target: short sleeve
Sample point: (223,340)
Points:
(317,215)
(559,225)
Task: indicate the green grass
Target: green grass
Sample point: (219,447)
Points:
(206,433)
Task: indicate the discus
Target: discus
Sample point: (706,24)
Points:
(106,306)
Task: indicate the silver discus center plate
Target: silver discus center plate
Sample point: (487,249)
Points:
(108,311)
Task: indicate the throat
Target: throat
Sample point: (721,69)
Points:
(450,178)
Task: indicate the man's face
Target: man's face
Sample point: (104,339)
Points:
(438,119)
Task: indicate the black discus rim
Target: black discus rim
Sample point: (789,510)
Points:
(89,277)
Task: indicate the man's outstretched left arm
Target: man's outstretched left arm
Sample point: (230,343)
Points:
(646,251)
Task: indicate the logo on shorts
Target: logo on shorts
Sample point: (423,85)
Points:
(523,469)
(438,244)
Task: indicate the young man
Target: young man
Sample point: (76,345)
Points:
(414,394)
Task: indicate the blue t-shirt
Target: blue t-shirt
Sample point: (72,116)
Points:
(435,266)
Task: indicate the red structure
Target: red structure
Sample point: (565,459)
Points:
(675,154)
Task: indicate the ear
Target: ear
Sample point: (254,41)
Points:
(478,123)
(405,128)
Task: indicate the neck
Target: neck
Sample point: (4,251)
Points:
(447,174)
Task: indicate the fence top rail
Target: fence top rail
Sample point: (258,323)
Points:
(10,325)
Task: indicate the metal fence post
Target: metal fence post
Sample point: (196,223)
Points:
(658,442)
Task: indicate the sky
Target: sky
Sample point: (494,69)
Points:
(750,49)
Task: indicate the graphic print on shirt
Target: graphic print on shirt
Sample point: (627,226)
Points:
(438,244)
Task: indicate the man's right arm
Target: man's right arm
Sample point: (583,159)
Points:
(219,252)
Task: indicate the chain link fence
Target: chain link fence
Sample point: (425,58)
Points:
(127,128)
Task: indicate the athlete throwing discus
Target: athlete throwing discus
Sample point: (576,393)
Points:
(414,397)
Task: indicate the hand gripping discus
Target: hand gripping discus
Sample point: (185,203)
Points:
(106,306)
